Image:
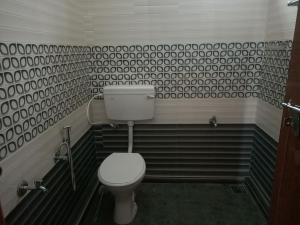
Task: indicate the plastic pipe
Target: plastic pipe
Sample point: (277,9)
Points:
(130,136)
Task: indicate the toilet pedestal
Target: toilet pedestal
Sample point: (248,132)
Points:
(125,208)
(121,173)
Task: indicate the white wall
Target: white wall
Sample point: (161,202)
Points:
(280,25)
(35,159)
(171,21)
(281,19)
(268,118)
(194,111)
(199,111)
(41,21)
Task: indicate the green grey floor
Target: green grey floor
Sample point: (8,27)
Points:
(182,204)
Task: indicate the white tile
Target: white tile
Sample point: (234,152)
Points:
(35,159)
(194,111)
(268,118)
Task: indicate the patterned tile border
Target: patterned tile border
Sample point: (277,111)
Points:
(40,83)
(274,71)
(208,70)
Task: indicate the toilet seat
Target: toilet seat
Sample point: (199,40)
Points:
(121,169)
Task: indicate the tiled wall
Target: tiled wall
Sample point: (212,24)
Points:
(205,70)
(173,21)
(60,204)
(274,71)
(262,167)
(35,159)
(31,80)
(208,70)
(184,152)
(30,73)
(280,20)
(231,71)
(155,22)
(193,111)
(116,23)
(39,85)
(280,25)
(46,21)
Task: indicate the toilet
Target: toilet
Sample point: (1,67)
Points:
(121,173)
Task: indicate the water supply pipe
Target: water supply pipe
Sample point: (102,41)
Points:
(130,136)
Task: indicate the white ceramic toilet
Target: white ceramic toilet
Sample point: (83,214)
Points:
(121,173)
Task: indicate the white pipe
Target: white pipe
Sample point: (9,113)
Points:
(130,136)
(70,161)
(88,111)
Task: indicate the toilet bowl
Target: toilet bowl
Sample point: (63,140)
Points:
(121,173)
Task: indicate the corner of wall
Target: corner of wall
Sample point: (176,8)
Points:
(35,158)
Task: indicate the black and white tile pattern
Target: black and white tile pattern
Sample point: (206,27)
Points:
(208,70)
(39,85)
(274,71)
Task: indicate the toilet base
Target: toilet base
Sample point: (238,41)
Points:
(125,208)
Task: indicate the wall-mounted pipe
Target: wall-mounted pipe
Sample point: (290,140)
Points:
(213,121)
(130,136)
(59,155)
(96,97)
(24,187)
(71,165)
(67,144)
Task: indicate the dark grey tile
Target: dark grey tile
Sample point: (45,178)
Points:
(182,204)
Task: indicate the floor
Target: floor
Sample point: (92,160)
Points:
(182,204)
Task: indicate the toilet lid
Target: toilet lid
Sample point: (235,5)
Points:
(121,168)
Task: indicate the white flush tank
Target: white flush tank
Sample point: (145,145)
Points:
(129,102)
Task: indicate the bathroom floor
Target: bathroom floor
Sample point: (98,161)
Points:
(183,204)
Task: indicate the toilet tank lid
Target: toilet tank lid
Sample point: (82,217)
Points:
(128,89)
